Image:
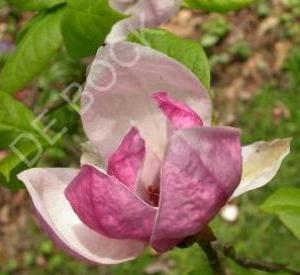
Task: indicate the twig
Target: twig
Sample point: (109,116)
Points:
(52,106)
(271,267)
(215,258)
(217,252)
(206,240)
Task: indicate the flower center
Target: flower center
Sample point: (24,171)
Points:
(153,194)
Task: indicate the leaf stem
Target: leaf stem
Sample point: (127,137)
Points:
(54,105)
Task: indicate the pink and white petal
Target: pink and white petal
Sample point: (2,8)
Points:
(261,162)
(179,114)
(46,187)
(202,168)
(109,207)
(126,162)
(143,14)
(118,92)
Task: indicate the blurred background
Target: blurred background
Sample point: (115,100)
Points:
(254,55)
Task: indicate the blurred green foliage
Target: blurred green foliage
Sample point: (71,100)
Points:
(214,30)
(218,5)
(286,204)
(34,5)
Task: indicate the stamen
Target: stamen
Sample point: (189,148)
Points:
(153,194)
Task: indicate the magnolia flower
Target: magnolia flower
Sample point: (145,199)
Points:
(167,172)
(142,14)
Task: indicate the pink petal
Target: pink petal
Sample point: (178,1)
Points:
(126,162)
(46,188)
(144,14)
(179,114)
(109,207)
(202,168)
(118,93)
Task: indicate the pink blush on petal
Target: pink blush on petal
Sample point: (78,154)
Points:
(201,169)
(178,113)
(126,161)
(46,187)
(108,207)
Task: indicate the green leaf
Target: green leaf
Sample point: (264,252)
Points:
(188,52)
(35,5)
(34,52)
(14,163)
(292,221)
(218,5)
(15,119)
(33,21)
(86,24)
(22,139)
(286,204)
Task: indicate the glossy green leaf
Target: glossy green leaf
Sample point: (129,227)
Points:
(188,52)
(286,204)
(85,25)
(34,5)
(35,51)
(19,137)
(27,155)
(15,119)
(218,5)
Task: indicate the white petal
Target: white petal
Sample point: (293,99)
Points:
(118,93)
(46,188)
(144,14)
(90,156)
(149,176)
(261,162)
